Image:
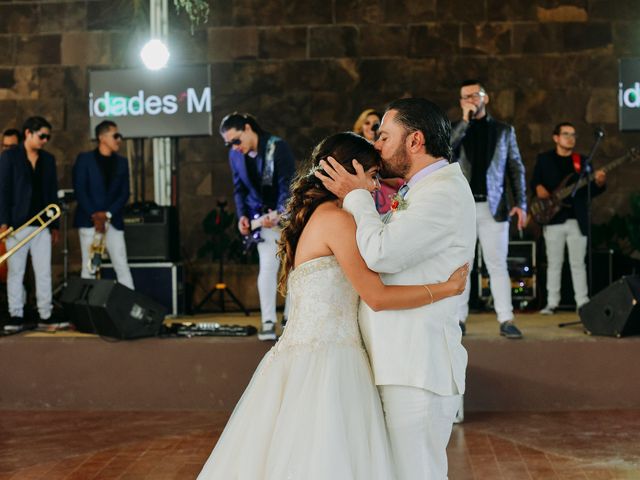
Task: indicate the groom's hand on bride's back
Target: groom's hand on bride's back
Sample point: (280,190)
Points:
(339,181)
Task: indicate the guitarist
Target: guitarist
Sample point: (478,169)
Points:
(569,225)
(262,166)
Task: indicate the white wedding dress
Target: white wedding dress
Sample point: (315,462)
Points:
(311,410)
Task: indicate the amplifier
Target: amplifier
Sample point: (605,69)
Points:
(151,233)
(521,263)
(162,282)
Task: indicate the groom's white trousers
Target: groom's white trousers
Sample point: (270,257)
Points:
(419,423)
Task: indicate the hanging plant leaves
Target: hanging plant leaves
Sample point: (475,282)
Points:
(196,10)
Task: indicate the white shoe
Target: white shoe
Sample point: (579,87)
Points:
(267,331)
(548,310)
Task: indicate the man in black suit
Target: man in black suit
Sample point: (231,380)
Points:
(569,226)
(488,154)
(28,183)
(101,184)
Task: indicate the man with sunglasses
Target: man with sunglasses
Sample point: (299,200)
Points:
(488,154)
(569,226)
(101,184)
(262,166)
(28,183)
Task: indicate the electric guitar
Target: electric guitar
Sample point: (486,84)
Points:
(254,237)
(544,209)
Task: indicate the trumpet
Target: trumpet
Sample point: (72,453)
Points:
(96,251)
(42,220)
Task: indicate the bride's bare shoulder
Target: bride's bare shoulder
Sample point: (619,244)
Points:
(332,215)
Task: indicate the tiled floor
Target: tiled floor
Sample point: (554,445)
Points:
(174,445)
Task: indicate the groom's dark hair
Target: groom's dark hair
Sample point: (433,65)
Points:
(421,114)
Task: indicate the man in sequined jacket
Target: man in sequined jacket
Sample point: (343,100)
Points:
(488,154)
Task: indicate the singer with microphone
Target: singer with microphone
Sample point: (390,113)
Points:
(488,154)
(569,226)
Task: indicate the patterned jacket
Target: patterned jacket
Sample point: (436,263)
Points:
(505,171)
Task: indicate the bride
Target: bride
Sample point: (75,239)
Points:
(311,410)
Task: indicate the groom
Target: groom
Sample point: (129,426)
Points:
(416,355)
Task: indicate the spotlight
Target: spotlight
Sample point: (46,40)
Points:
(155,55)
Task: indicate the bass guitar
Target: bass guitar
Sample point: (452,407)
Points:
(544,209)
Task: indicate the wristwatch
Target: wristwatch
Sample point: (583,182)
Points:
(108,215)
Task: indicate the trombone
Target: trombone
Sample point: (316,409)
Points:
(44,218)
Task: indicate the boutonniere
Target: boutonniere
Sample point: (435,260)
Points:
(398,203)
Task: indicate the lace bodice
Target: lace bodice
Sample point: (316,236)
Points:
(323,306)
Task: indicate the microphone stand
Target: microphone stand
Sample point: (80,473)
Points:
(585,171)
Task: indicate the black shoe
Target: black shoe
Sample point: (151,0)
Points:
(509,330)
(463,328)
(284,322)
(14,325)
(52,323)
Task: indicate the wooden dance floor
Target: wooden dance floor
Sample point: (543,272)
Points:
(81,445)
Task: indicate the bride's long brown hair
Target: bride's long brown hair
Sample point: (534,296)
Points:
(307,192)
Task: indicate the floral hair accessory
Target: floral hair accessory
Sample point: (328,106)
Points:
(313,170)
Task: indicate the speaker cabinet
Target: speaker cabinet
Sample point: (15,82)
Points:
(151,233)
(162,282)
(615,310)
(110,309)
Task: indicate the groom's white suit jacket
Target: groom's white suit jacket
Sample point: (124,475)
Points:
(421,244)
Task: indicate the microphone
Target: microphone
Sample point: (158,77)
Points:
(599,132)
(471,115)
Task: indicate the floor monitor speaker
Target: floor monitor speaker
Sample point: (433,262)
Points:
(110,309)
(614,311)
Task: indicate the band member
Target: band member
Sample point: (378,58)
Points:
(28,183)
(569,226)
(10,139)
(262,166)
(101,183)
(490,159)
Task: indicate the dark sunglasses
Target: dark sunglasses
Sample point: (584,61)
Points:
(235,141)
(44,136)
(117,136)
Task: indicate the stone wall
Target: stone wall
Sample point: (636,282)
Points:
(306,68)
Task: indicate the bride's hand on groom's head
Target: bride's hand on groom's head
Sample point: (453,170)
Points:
(339,181)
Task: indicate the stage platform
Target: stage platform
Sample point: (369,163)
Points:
(550,369)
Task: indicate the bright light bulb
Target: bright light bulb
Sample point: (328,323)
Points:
(155,55)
